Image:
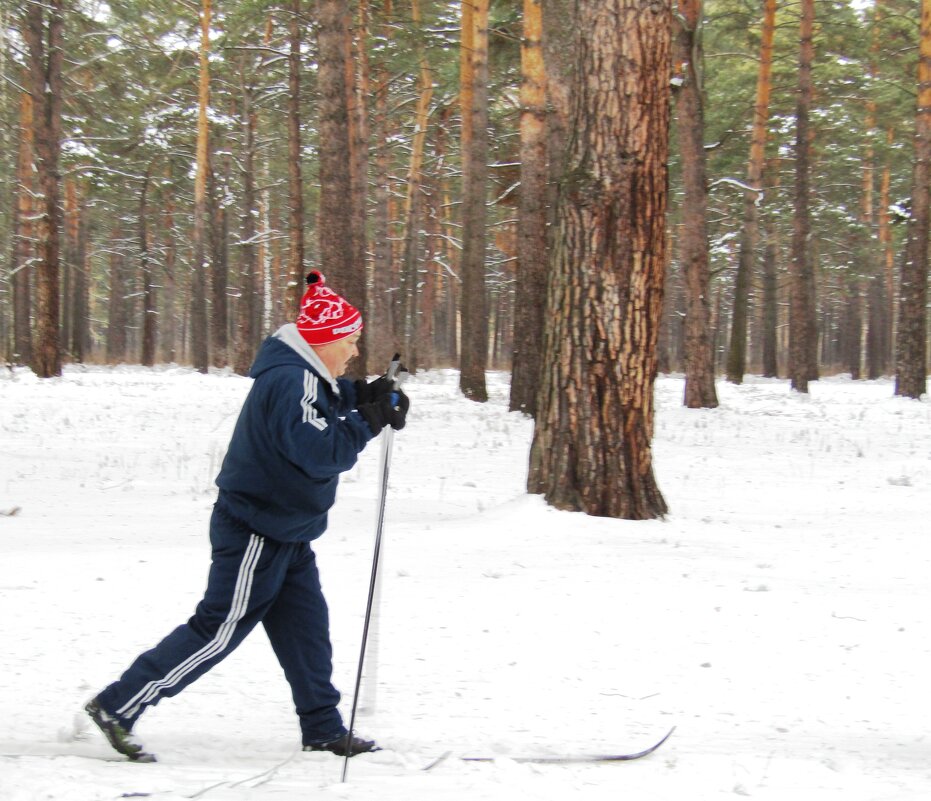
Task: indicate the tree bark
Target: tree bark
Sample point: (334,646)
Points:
(530,296)
(800,312)
(218,237)
(413,208)
(76,232)
(149,310)
(357,92)
(169,333)
(592,443)
(247,330)
(335,214)
(911,378)
(24,234)
(693,239)
(45,53)
(118,312)
(749,234)
(335,234)
(295,268)
(382,346)
(199,344)
(770,317)
(473,357)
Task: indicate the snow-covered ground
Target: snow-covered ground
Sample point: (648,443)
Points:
(778,617)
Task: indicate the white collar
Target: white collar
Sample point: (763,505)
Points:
(291,337)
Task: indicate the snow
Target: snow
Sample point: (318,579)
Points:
(776,617)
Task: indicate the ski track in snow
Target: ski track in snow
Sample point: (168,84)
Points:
(777,616)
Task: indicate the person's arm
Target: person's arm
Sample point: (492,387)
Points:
(319,444)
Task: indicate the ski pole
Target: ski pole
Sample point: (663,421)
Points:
(387,442)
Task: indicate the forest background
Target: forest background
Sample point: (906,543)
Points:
(211,154)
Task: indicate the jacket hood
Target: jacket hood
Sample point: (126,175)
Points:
(287,347)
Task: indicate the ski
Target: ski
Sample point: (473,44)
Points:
(576,759)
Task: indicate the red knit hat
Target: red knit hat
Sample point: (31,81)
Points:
(325,316)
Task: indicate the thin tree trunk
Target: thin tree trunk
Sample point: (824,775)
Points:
(118,314)
(45,54)
(199,344)
(69,258)
(853,327)
(532,217)
(693,244)
(250,293)
(149,311)
(749,234)
(800,311)
(911,378)
(446,253)
(872,255)
(357,89)
(169,332)
(219,260)
(473,357)
(888,259)
(384,344)
(770,318)
(80,318)
(592,441)
(413,207)
(24,235)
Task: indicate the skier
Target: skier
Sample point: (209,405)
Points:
(300,427)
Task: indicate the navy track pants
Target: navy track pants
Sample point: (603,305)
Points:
(252,579)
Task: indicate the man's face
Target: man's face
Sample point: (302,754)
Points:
(337,355)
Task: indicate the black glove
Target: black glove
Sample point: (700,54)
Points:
(388,410)
(368,393)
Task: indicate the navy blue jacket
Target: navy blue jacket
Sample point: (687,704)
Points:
(296,433)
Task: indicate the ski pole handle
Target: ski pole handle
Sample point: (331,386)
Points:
(393,368)
(395,375)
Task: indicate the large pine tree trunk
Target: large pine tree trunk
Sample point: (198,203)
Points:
(532,217)
(693,237)
(199,345)
(592,444)
(911,378)
(334,227)
(801,310)
(295,267)
(473,357)
(43,33)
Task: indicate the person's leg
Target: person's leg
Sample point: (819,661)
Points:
(298,627)
(244,579)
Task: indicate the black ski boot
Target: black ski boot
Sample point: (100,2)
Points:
(344,745)
(118,736)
